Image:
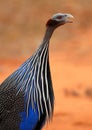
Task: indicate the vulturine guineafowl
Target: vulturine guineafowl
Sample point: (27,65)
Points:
(26,96)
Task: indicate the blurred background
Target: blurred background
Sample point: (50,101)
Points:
(22,27)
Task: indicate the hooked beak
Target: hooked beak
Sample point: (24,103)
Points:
(68,18)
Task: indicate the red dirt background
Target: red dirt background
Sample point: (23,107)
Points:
(21,31)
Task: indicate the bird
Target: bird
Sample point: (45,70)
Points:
(27,96)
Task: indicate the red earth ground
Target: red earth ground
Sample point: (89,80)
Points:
(21,27)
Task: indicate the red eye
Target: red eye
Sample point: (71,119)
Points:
(59,17)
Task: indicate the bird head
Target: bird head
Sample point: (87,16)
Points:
(59,19)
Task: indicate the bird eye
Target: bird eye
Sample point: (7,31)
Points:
(59,17)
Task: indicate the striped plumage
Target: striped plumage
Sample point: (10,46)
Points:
(26,96)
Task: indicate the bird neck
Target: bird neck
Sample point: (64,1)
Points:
(45,43)
(48,34)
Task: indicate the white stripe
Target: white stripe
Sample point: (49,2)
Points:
(30,90)
(43,93)
(46,80)
(38,87)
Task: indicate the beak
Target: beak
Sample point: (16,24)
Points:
(68,18)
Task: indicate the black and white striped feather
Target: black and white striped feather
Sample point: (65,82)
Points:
(34,80)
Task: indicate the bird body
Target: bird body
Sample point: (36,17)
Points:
(26,96)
